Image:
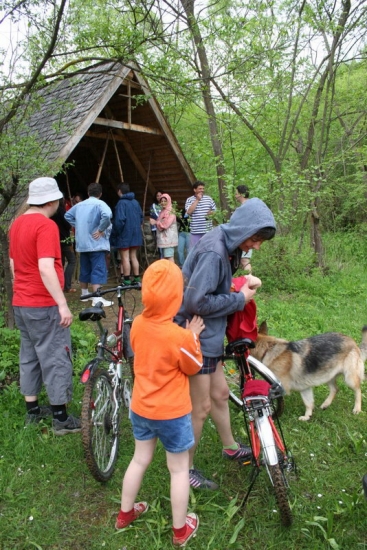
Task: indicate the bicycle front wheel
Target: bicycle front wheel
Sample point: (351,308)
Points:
(100,426)
(280,489)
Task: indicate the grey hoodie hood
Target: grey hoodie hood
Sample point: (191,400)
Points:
(245,221)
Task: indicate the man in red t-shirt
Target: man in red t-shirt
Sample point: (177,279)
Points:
(40,308)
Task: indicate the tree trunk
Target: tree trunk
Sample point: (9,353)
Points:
(6,298)
(204,73)
(316,240)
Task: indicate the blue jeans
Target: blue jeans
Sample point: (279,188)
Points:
(93,267)
(183,246)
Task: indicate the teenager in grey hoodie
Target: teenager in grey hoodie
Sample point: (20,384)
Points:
(208,274)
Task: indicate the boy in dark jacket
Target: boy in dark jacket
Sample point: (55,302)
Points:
(127,233)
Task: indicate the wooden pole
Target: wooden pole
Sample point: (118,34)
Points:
(144,202)
(103,159)
(118,159)
(68,186)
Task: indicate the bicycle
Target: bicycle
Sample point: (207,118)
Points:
(262,403)
(108,380)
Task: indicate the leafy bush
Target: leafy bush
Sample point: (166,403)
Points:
(9,352)
(83,341)
(280,264)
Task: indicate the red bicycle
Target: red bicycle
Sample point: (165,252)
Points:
(108,380)
(261,401)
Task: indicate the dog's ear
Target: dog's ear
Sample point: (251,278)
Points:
(263,329)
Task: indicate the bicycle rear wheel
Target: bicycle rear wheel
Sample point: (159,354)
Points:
(275,462)
(280,489)
(232,376)
(100,433)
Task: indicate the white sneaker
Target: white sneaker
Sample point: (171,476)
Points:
(106,303)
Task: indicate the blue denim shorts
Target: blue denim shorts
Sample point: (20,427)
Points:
(176,435)
(93,267)
(209,365)
(168,252)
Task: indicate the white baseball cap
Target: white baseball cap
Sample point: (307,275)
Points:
(43,190)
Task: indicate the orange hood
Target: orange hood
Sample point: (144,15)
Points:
(162,290)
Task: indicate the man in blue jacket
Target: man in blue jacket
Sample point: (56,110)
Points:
(127,232)
(208,275)
(92,221)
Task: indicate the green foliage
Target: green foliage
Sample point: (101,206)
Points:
(9,351)
(83,341)
(283,266)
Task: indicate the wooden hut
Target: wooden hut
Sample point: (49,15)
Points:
(106,126)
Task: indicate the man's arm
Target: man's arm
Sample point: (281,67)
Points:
(201,295)
(192,205)
(50,279)
(70,216)
(12,268)
(106,215)
(120,217)
(212,207)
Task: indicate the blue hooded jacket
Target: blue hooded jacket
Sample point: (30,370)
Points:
(127,222)
(208,276)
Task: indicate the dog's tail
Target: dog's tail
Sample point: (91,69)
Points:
(363,346)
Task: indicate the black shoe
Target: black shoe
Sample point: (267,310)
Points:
(45,412)
(198,481)
(69,426)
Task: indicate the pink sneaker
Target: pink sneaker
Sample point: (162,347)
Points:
(139,509)
(192,524)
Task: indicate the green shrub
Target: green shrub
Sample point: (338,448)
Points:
(9,352)
(281,265)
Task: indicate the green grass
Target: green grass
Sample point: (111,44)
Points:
(48,499)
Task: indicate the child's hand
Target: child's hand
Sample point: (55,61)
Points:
(248,291)
(196,324)
(253,282)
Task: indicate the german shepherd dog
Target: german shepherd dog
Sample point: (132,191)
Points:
(303,364)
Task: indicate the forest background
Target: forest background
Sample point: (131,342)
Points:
(270,94)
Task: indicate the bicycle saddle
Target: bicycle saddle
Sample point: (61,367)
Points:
(239,346)
(94,313)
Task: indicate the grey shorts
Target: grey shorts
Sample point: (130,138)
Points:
(45,353)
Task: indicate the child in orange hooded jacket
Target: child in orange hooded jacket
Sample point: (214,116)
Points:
(165,355)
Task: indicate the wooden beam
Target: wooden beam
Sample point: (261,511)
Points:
(128,148)
(126,126)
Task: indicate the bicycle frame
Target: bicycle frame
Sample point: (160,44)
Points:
(114,340)
(261,422)
(257,409)
(267,443)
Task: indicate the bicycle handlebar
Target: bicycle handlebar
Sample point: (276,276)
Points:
(99,292)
